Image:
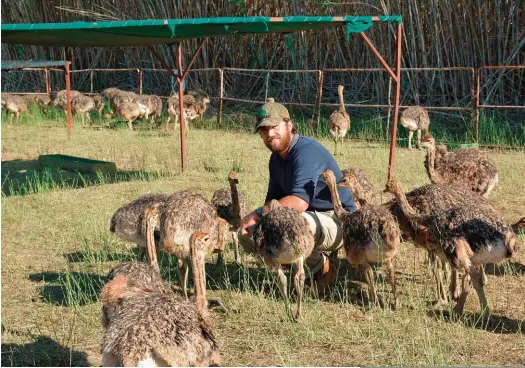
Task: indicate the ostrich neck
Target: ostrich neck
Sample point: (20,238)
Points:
(199,276)
(236,207)
(336,201)
(430,166)
(406,208)
(341,101)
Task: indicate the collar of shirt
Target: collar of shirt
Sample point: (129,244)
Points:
(294,141)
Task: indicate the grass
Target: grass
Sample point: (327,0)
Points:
(57,249)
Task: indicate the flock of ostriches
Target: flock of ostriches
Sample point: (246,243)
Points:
(125,104)
(147,322)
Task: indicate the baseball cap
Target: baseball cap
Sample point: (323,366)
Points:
(271,114)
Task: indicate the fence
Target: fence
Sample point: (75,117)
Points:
(460,89)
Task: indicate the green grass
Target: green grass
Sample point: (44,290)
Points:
(57,249)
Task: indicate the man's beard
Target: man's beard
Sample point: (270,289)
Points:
(279,143)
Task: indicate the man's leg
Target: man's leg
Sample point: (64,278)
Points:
(328,237)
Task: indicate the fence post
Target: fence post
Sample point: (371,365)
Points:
(91,83)
(473,103)
(221,95)
(478,77)
(140,80)
(48,86)
(319,97)
(267,82)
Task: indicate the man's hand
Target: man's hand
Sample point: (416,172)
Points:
(248,222)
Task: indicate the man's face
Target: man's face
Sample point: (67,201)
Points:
(277,138)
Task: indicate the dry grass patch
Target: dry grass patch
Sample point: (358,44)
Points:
(57,248)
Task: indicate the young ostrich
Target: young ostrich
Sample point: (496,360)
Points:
(61,98)
(467,236)
(231,207)
(82,105)
(148,325)
(370,234)
(469,167)
(131,111)
(129,221)
(100,102)
(173,110)
(339,121)
(184,213)
(430,199)
(283,236)
(366,190)
(415,118)
(14,104)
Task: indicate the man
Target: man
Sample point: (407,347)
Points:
(296,165)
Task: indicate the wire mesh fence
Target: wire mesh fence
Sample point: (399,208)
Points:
(462,102)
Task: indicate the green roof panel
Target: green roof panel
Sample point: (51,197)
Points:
(150,32)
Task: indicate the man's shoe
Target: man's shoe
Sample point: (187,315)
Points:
(325,277)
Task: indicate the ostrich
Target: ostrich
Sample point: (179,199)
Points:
(231,207)
(117,98)
(469,167)
(339,121)
(370,234)
(283,236)
(14,104)
(131,111)
(129,221)
(195,104)
(366,190)
(82,105)
(184,213)
(519,226)
(173,109)
(430,199)
(148,325)
(415,118)
(61,98)
(466,236)
(100,102)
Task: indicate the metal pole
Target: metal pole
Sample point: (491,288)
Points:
(140,81)
(396,104)
(267,82)
(48,87)
(320,96)
(221,95)
(181,110)
(91,83)
(68,96)
(473,103)
(478,82)
(378,55)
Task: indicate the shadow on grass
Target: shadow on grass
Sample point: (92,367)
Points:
(505,269)
(69,288)
(21,177)
(44,352)
(494,323)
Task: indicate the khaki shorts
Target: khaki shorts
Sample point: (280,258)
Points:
(328,237)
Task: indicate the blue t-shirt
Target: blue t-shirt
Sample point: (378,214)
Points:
(299,174)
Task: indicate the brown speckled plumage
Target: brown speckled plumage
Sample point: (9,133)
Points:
(194,105)
(139,274)
(364,190)
(339,121)
(14,104)
(185,213)
(415,118)
(466,236)
(370,234)
(82,105)
(283,236)
(131,111)
(128,221)
(469,167)
(61,98)
(151,324)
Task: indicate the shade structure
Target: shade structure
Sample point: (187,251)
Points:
(159,31)
(168,31)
